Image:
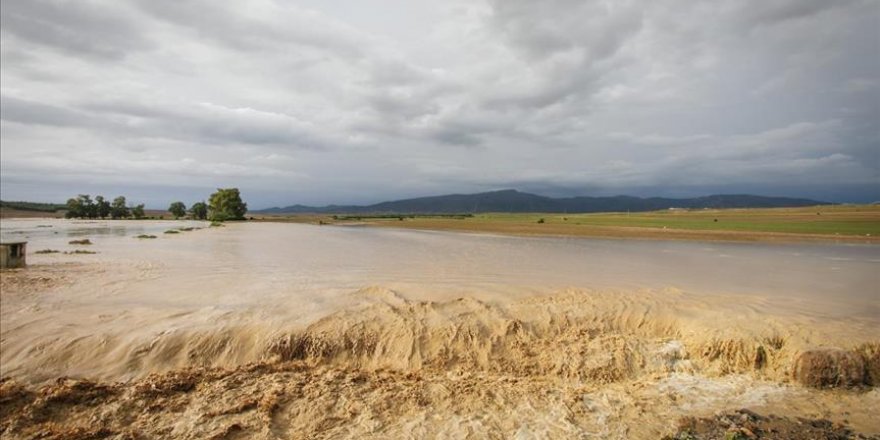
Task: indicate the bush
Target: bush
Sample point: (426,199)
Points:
(145,236)
(83,241)
(47,251)
(540,220)
(172,231)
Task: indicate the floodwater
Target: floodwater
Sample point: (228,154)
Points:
(596,334)
(252,263)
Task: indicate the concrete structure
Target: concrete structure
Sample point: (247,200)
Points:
(13,254)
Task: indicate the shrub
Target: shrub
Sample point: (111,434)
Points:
(83,241)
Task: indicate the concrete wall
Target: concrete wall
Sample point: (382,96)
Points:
(13,255)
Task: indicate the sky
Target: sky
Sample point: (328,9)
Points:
(320,102)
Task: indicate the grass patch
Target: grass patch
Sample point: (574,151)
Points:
(84,241)
(832,222)
(172,231)
(145,236)
(186,229)
(843,220)
(216,224)
(47,251)
(398,216)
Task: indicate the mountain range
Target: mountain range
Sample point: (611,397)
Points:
(510,200)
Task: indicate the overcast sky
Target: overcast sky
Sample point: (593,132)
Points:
(320,101)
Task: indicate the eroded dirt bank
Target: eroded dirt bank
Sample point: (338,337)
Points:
(293,400)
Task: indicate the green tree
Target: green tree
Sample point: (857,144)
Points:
(118,209)
(89,208)
(226,204)
(74,208)
(81,207)
(199,211)
(177,209)
(138,211)
(103,207)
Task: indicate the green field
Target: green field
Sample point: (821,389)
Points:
(844,220)
(831,222)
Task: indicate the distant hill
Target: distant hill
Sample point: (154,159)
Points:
(515,201)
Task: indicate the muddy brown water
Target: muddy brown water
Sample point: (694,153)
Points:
(677,323)
(301,262)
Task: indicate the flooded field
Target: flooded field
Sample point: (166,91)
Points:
(476,335)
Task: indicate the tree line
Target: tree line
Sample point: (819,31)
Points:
(82,206)
(224,204)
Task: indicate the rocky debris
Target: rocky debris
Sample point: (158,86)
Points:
(745,425)
(156,385)
(296,400)
(52,431)
(13,397)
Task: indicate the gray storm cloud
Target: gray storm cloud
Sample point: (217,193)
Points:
(322,102)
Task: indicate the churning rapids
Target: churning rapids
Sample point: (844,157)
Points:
(294,331)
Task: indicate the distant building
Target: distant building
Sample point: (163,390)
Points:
(13,254)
